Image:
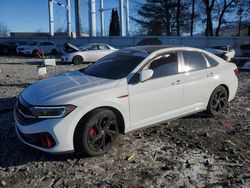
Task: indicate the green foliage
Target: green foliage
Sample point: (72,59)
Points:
(114,27)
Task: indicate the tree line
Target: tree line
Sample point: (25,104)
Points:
(189,17)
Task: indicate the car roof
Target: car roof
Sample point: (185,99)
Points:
(149,48)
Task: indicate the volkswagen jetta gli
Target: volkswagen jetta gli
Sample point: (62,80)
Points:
(85,111)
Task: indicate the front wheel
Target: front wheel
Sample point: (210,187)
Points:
(77,60)
(218,101)
(96,134)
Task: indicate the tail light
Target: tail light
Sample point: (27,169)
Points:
(236,72)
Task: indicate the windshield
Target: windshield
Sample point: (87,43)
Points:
(116,65)
(32,43)
(83,47)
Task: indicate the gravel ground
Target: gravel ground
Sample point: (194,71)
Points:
(195,151)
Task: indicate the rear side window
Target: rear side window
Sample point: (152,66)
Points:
(103,47)
(164,65)
(211,61)
(194,61)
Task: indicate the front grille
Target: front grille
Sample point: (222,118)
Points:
(23,114)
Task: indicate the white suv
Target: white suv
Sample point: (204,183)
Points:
(32,48)
(85,110)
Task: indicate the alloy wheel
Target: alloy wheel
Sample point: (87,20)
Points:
(102,134)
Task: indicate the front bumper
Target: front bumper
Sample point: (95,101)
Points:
(26,52)
(61,132)
(65,59)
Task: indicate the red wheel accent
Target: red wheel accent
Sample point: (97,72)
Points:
(92,132)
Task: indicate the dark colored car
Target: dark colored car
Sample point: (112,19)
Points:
(9,48)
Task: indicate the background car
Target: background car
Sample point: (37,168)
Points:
(225,52)
(32,48)
(87,53)
(245,49)
(132,88)
(9,48)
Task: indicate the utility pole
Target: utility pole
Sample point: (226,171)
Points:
(51,18)
(68,18)
(127,18)
(92,18)
(102,18)
(121,17)
(77,18)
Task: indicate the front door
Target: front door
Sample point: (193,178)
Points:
(160,97)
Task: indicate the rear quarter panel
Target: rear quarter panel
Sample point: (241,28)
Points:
(228,78)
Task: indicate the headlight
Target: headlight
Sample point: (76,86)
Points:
(52,111)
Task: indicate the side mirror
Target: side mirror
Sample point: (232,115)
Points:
(146,74)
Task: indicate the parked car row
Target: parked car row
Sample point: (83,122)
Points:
(92,52)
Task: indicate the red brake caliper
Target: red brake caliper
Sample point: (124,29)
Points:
(92,132)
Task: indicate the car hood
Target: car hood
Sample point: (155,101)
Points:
(62,88)
(25,46)
(69,48)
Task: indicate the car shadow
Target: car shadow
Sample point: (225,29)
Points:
(199,115)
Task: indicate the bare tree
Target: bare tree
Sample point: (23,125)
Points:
(222,9)
(4,30)
(243,14)
(209,6)
(178,17)
(192,19)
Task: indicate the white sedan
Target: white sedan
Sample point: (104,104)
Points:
(87,53)
(32,48)
(86,110)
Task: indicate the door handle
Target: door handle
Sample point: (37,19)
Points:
(210,74)
(177,82)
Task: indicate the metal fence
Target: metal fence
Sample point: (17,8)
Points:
(121,42)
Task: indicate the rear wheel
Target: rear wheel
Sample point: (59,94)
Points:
(34,53)
(96,134)
(218,101)
(77,60)
(54,52)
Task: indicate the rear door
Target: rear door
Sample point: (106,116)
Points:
(160,97)
(90,53)
(103,51)
(198,81)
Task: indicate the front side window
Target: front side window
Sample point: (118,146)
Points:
(193,61)
(49,43)
(42,44)
(164,65)
(92,47)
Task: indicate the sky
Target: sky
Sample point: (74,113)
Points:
(32,15)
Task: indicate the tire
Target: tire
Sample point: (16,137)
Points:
(77,60)
(54,52)
(34,53)
(218,101)
(97,133)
